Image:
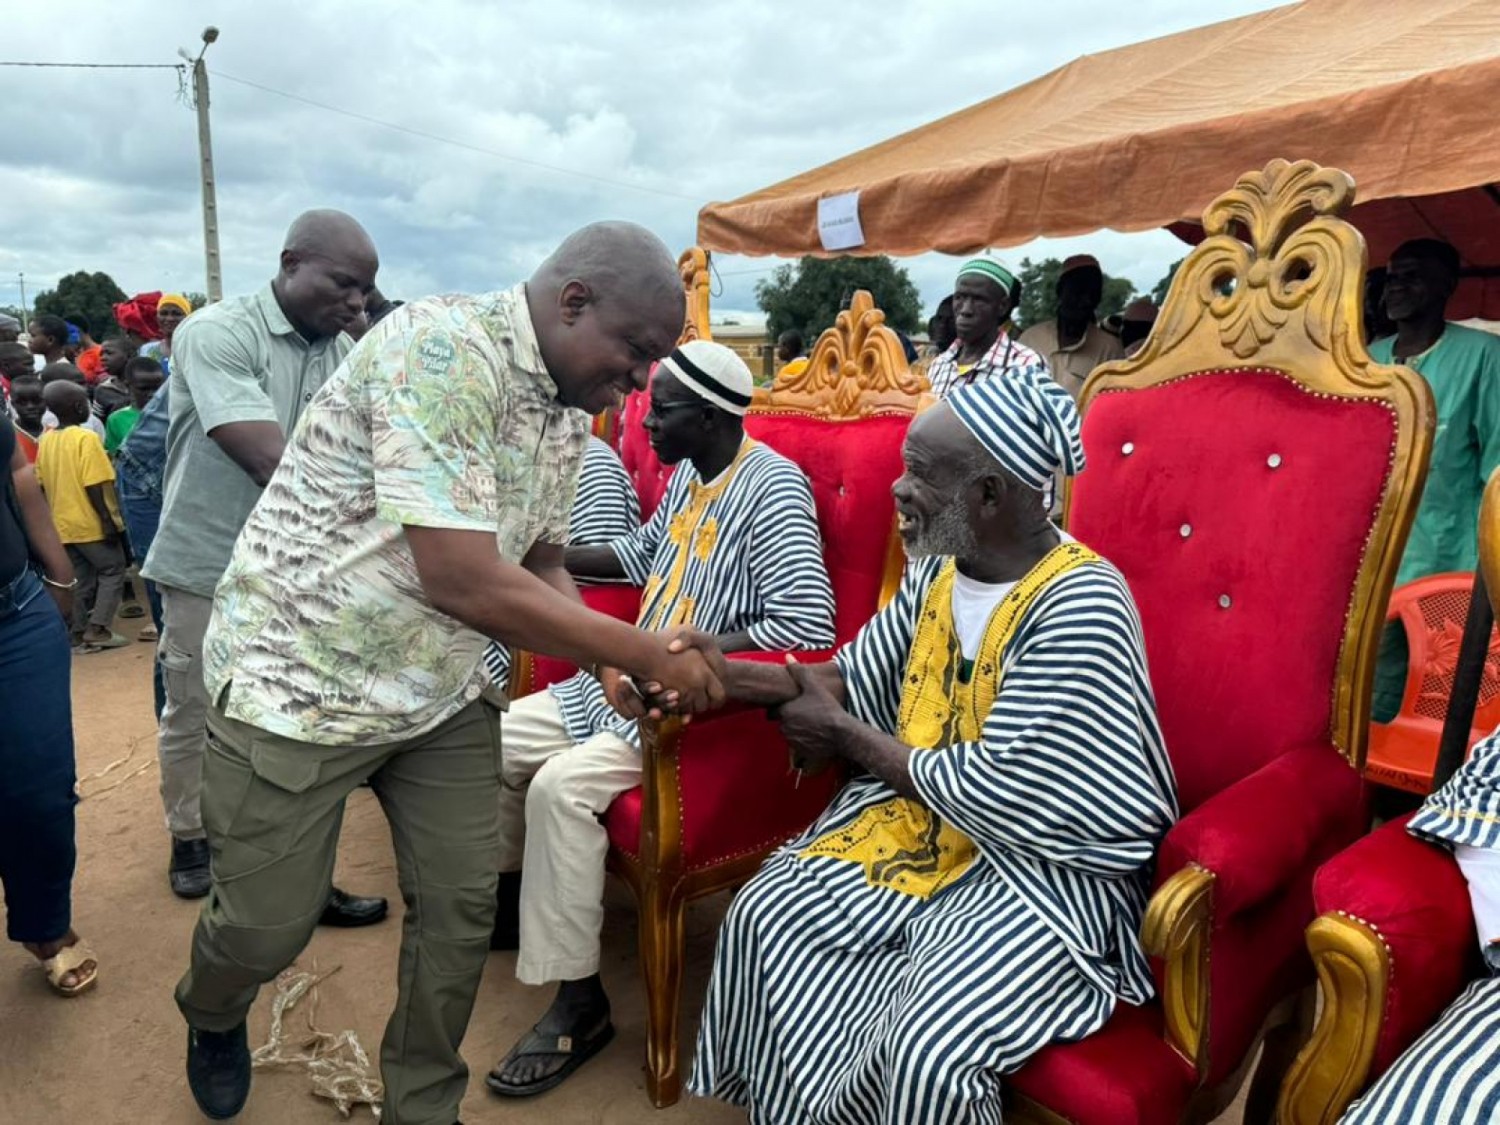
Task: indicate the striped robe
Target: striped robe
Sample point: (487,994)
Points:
(605,508)
(747,557)
(834,1002)
(1451,1075)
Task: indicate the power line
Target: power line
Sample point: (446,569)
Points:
(97,66)
(451,141)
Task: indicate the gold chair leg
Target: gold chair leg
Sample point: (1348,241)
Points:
(662,940)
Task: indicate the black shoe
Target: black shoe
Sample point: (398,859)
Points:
(218,1070)
(189,872)
(348,911)
(507,932)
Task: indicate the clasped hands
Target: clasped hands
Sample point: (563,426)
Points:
(684,675)
(694,677)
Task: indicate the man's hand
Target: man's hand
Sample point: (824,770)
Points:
(624,695)
(689,669)
(813,722)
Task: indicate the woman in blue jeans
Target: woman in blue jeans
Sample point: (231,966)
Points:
(37,850)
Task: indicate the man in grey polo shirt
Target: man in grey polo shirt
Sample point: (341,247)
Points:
(242,371)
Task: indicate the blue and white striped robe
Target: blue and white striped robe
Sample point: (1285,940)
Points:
(834,1002)
(764,574)
(1451,1075)
(605,507)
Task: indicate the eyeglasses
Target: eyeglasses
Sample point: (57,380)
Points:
(662,409)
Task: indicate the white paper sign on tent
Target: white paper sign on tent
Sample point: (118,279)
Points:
(838,221)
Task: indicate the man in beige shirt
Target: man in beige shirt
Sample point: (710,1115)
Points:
(1074,344)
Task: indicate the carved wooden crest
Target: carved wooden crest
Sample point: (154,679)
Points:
(857,368)
(693,266)
(1279,279)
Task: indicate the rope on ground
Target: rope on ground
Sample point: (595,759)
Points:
(339,1067)
(135,744)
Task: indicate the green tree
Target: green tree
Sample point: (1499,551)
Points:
(196,299)
(92,294)
(808,297)
(1039,293)
(1159,292)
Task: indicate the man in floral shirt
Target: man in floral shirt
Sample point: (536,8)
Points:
(420,509)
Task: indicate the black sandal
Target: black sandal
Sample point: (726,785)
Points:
(572,1049)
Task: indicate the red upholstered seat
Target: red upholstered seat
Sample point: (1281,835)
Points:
(1218,564)
(1126,1074)
(1413,895)
(1251,474)
(1230,481)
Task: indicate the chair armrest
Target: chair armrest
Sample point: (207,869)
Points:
(1393,945)
(1265,830)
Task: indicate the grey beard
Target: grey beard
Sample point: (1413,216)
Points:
(947,533)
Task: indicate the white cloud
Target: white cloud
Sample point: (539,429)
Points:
(677,103)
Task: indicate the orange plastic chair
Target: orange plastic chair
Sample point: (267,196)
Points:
(1403,752)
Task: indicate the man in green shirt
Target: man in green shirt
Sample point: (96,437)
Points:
(1462,366)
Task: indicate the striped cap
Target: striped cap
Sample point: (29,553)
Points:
(713,373)
(990,268)
(1027,423)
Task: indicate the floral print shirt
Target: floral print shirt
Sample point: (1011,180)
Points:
(442,416)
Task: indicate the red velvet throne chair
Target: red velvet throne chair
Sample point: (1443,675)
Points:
(1393,943)
(1254,475)
(717,795)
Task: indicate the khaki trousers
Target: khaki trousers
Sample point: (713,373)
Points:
(179,737)
(272,808)
(555,790)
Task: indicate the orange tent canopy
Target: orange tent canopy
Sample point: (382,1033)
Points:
(1399,93)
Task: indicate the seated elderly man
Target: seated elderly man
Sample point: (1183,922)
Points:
(605,508)
(1451,1075)
(975,891)
(733,550)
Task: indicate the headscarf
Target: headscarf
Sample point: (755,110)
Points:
(1026,422)
(174,301)
(138,316)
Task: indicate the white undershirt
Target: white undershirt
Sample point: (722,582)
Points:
(1481,867)
(973,602)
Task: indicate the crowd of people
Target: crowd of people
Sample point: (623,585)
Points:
(345,510)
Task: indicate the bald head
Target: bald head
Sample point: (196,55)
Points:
(605,305)
(68,401)
(328,267)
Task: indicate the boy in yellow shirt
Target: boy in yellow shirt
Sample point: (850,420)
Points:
(79,482)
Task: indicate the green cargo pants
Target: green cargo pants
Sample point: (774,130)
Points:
(272,808)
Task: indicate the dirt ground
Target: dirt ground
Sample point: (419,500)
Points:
(116,1054)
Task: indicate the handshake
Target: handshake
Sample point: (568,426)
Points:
(680,672)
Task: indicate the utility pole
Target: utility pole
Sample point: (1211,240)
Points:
(25,308)
(206,168)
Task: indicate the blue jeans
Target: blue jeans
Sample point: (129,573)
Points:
(142,511)
(37,850)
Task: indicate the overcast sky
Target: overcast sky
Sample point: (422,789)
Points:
(655,108)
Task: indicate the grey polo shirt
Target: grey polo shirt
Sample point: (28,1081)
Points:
(238,361)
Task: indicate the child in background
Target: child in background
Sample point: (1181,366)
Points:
(144,377)
(79,482)
(67,372)
(27,405)
(111,392)
(15,363)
